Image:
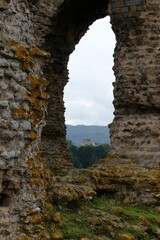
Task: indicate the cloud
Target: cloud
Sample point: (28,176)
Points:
(89,94)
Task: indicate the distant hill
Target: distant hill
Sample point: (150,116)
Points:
(97,134)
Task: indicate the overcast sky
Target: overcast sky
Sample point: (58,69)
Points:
(88,95)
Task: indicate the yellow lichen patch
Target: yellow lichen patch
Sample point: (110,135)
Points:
(111,157)
(37,96)
(20,112)
(57,217)
(36,182)
(34,80)
(36,219)
(12,43)
(33,162)
(36,116)
(58,235)
(126,236)
(21,52)
(29,59)
(43,95)
(24,238)
(46,199)
(38,52)
(37,81)
(26,95)
(26,66)
(37,223)
(48,207)
(40,176)
(43,235)
(37,104)
(35,173)
(30,211)
(32,135)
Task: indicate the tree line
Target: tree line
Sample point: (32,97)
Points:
(86,156)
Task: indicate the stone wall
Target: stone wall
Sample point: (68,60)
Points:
(135,128)
(23,103)
(70,24)
(36,39)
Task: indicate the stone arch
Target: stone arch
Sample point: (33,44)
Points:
(131,132)
(70,24)
(91,77)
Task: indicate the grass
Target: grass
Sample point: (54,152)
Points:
(139,211)
(106,218)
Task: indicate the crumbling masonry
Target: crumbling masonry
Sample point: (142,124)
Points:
(36,39)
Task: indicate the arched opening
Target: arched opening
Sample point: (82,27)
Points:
(70,24)
(89,94)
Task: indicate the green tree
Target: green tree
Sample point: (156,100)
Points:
(73,154)
(86,156)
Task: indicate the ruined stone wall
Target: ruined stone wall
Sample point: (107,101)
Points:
(135,129)
(23,104)
(36,39)
(71,23)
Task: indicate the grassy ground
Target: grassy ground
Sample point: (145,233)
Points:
(106,218)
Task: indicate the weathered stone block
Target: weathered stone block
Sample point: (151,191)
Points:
(25,125)
(4,63)
(3,85)
(3,104)
(9,154)
(14,125)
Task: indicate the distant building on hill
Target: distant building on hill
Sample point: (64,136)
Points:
(88,142)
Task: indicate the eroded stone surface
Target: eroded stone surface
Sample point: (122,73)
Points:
(133,182)
(36,39)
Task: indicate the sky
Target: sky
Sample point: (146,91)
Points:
(88,95)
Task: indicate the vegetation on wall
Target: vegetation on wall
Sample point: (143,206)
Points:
(106,218)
